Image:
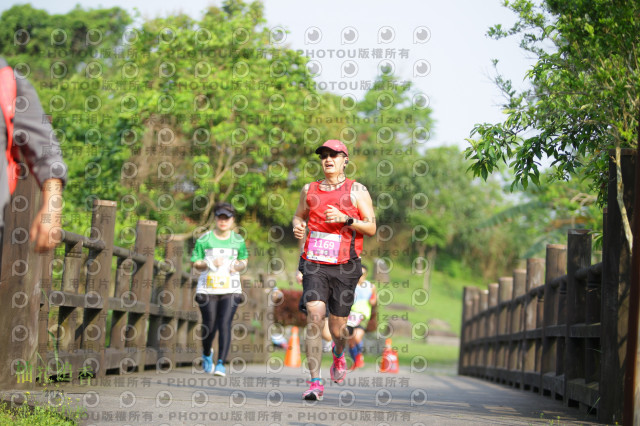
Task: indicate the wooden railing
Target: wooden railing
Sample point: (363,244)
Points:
(94,308)
(559,327)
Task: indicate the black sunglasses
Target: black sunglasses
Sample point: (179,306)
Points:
(334,154)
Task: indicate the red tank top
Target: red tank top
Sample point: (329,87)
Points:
(331,243)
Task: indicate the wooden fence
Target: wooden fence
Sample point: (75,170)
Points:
(94,308)
(559,327)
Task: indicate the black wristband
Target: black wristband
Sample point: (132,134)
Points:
(349,221)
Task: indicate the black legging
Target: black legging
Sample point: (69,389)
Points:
(217,314)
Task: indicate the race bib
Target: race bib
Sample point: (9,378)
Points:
(354,319)
(218,281)
(324,247)
(219,277)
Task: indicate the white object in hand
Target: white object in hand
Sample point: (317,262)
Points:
(210,264)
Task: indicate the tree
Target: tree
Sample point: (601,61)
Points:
(545,213)
(584,94)
(170,115)
(425,201)
(44,45)
(228,101)
(67,59)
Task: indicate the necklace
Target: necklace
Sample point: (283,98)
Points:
(324,182)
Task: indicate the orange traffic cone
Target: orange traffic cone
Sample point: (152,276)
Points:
(292,357)
(389,359)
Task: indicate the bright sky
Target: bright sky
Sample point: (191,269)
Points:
(440,45)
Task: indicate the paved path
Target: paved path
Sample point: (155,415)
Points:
(260,397)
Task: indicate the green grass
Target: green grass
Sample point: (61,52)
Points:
(26,415)
(444,302)
(437,356)
(47,406)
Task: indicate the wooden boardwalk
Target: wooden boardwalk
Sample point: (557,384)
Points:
(272,395)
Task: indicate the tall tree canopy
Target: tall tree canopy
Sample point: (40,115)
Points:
(583,97)
(169,115)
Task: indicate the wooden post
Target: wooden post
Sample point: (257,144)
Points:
(475,300)
(20,274)
(69,316)
(194,313)
(616,264)
(517,339)
(561,317)
(467,294)
(124,272)
(141,290)
(170,300)
(632,375)
(556,261)
(505,293)
(540,342)
(532,323)
(484,305)
(94,330)
(578,256)
(185,324)
(156,320)
(492,331)
(592,349)
(46,284)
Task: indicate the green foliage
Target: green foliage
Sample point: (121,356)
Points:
(547,212)
(36,412)
(583,98)
(232,111)
(39,41)
(169,115)
(173,114)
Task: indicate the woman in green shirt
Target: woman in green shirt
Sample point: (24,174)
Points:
(220,255)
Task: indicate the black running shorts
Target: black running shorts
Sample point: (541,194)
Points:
(332,284)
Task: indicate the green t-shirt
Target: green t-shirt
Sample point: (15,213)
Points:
(219,280)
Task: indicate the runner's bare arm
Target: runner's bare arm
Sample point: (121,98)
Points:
(360,194)
(374,295)
(238,265)
(200,265)
(300,216)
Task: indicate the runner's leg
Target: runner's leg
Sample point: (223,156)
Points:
(208,310)
(326,334)
(316,311)
(339,332)
(327,341)
(354,342)
(358,335)
(224,318)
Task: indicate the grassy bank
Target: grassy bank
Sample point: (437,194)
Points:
(38,414)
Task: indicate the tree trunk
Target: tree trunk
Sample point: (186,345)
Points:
(431,258)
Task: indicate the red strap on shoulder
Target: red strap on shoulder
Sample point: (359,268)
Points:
(8,94)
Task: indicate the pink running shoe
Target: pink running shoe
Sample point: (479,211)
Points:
(315,391)
(339,367)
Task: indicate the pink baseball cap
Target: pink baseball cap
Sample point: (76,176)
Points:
(334,145)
